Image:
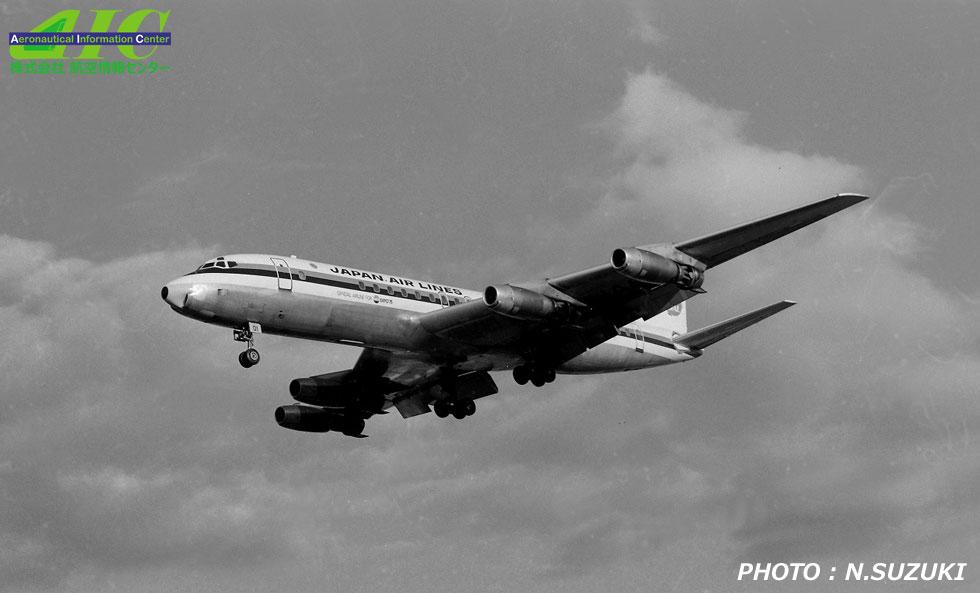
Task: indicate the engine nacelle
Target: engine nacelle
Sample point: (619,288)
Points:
(654,268)
(333,394)
(521,303)
(320,393)
(304,418)
(308,419)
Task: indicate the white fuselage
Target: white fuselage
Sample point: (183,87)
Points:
(305,299)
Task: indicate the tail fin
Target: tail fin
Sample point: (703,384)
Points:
(702,338)
(672,322)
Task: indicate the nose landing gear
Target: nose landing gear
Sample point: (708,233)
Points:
(250,357)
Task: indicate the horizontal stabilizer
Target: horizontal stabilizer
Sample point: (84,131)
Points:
(702,338)
(721,247)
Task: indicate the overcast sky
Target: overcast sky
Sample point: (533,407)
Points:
(480,142)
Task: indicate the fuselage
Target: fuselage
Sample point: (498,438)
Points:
(300,298)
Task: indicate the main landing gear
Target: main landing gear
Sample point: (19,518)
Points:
(459,409)
(538,376)
(250,357)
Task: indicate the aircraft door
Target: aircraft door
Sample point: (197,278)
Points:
(283,273)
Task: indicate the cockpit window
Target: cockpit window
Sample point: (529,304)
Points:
(219,263)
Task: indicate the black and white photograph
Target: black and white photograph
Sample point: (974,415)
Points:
(551,296)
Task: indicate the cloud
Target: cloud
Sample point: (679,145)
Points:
(643,28)
(831,418)
(688,165)
(93,419)
(135,445)
(136,452)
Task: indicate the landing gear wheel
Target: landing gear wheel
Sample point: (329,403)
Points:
(251,356)
(540,376)
(441,409)
(458,412)
(521,375)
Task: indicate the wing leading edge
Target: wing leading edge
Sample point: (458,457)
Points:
(718,248)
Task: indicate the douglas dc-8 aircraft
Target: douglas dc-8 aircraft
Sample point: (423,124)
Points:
(434,344)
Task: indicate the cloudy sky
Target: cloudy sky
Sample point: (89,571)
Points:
(481,142)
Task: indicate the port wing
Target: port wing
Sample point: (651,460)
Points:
(718,248)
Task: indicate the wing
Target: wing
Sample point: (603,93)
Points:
(721,247)
(381,379)
(587,307)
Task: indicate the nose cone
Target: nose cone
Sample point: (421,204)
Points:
(175,293)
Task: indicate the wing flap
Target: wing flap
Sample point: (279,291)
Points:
(702,338)
(468,386)
(414,405)
(388,371)
(720,247)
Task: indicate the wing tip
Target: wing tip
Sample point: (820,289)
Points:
(851,198)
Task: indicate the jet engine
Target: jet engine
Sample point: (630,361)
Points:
(520,303)
(654,268)
(332,393)
(309,419)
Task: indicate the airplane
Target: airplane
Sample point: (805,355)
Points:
(430,347)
